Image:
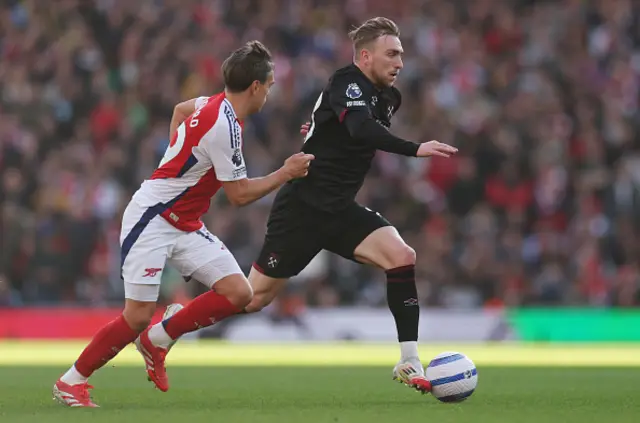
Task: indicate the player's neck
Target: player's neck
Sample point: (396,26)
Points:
(368,74)
(239,103)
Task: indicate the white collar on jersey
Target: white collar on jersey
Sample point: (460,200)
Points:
(231,107)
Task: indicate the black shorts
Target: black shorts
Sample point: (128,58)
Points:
(297,232)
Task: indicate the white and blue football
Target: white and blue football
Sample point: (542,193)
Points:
(453,377)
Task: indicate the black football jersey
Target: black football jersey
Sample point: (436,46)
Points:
(348,111)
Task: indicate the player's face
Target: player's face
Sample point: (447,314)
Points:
(261,92)
(386,60)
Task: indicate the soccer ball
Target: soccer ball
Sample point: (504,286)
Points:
(453,377)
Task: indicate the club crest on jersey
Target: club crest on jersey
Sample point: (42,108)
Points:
(353,91)
(236,159)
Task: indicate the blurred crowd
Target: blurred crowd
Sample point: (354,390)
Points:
(541,206)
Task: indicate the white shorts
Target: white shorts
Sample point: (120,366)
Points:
(148,242)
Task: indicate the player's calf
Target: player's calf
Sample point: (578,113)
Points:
(265,289)
(386,249)
(232,293)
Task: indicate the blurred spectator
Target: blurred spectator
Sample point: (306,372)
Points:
(9,297)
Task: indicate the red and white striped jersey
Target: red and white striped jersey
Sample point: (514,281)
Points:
(205,151)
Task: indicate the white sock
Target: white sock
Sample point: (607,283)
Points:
(73,377)
(408,349)
(159,337)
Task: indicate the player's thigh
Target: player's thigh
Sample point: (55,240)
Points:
(292,240)
(146,243)
(386,249)
(142,272)
(284,256)
(290,244)
(143,264)
(365,236)
(202,256)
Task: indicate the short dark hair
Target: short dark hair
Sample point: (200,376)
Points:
(371,30)
(251,62)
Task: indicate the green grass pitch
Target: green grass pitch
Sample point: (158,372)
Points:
(216,382)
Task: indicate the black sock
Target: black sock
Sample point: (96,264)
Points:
(402,297)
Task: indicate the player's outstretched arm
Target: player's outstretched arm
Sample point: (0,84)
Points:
(428,149)
(350,98)
(246,191)
(365,128)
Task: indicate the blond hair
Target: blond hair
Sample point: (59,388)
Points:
(371,30)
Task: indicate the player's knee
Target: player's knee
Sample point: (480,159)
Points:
(138,314)
(236,289)
(402,255)
(242,296)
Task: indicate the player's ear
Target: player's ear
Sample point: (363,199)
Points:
(365,55)
(255,86)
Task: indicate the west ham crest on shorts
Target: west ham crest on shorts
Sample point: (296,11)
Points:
(273,260)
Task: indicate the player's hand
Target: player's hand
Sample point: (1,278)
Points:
(435,148)
(297,166)
(304,129)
